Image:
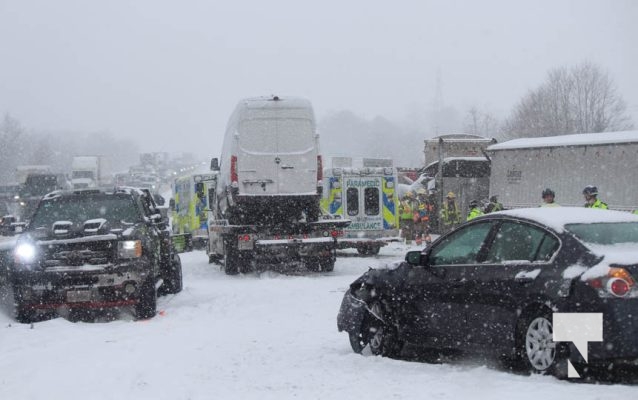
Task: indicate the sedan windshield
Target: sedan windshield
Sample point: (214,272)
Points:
(78,209)
(605,233)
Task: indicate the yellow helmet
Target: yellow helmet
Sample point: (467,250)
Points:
(409,194)
(451,195)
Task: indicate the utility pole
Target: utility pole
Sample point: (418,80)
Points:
(439,185)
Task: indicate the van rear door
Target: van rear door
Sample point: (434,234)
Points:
(364,202)
(278,155)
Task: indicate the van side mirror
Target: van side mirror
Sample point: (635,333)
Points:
(171,204)
(413,257)
(214,164)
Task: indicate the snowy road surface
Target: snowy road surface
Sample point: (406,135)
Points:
(266,336)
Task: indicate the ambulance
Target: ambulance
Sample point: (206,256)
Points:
(189,210)
(365,192)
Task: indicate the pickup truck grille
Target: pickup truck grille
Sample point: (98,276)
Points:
(76,254)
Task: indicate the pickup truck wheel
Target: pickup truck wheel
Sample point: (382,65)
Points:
(146,306)
(172,277)
(23,315)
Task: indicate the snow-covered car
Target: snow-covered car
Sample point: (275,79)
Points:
(93,249)
(495,283)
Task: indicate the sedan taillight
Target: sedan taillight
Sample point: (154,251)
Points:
(618,283)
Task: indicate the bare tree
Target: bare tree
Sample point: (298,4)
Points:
(483,123)
(581,99)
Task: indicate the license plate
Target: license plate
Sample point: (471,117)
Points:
(75,296)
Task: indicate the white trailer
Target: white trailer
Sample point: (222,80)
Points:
(522,168)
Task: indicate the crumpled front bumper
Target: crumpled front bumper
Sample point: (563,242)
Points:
(351,313)
(91,288)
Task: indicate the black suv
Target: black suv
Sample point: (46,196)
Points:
(94,249)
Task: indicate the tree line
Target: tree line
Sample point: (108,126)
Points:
(578,99)
(19,146)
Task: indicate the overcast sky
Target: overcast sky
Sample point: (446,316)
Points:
(174,70)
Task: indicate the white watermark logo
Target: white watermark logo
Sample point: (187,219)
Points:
(580,329)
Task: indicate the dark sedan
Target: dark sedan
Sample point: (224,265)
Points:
(494,284)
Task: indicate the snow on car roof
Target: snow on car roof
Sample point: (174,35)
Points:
(557,217)
(580,139)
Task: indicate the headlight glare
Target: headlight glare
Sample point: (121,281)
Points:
(25,253)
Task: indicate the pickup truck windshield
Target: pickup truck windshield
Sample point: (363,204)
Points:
(80,208)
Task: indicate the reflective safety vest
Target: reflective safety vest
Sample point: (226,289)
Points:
(552,204)
(493,207)
(597,204)
(474,212)
(450,215)
(425,209)
(635,212)
(405,209)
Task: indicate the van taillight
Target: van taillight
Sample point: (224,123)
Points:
(319,169)
(233,171)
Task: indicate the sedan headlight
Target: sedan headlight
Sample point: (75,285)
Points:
(25,253)
(129,249)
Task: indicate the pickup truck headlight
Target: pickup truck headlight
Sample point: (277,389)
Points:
(129,249)
(25,253)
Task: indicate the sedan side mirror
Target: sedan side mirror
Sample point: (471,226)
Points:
(413,257)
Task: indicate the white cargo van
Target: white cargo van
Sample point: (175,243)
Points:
(265,204)
(271,148)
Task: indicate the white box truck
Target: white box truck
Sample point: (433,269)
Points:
(522,168)
(87,171)
(265,199)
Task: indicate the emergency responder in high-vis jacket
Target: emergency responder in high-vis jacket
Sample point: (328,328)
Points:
(591,198)
(494,205)
(422,217)
(548,197)
(475,210)
(450,213)
(406,217)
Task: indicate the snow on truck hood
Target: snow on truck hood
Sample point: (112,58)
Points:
(557,217)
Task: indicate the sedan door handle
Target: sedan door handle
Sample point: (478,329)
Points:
(287,167)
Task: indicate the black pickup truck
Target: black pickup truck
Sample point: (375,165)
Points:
(93,249)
